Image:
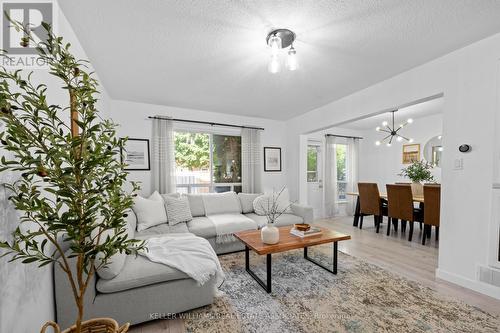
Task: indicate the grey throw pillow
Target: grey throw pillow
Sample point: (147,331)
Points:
(246,200)
(177,210)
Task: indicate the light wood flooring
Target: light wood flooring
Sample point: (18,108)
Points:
(410,259)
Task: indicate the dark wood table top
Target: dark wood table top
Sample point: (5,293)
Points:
(288,241)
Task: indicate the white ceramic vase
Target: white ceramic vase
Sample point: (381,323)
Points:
(270,234)
(417,189)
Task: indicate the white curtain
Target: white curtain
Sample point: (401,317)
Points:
(163,156)
(352,172)
(250,160)
(331,197)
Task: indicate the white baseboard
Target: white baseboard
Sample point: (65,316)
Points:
(478,286)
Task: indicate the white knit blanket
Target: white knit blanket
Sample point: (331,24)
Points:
(227,224)
(188,253)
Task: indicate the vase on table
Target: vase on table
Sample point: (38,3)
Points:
(270,234)
(417,189)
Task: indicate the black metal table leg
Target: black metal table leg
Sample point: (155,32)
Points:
(267,285)
(335,259)
(356,213)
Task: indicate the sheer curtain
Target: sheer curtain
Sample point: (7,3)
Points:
(352,172)
(331,197)
(163,156)
(250,160)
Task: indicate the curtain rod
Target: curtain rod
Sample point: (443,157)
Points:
(206,123)
(345,136)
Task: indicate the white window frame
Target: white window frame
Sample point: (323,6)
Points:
(347,175)
(318,151)
(210,131)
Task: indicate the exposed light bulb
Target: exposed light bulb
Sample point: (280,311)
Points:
(274,65)
(292,62)
(388,144)
(440,137)
(377,129)
(377,143)
(440,148)
(409,121)
(399,139)
(401,125)
(384,123)
(411,140)
(275,44)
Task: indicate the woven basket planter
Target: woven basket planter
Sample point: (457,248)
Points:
(97,325)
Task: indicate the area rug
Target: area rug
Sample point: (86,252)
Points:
(306,298)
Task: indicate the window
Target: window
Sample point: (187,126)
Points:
(207,162)
(312,163)
(342,176)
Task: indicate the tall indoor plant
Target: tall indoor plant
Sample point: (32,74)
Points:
(71,176)
(418,172)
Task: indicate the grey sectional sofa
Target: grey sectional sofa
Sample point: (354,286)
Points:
(144,290)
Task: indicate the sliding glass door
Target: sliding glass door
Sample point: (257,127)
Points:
(207,162)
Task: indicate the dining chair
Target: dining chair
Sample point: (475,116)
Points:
(432,208)
(400,206)
(395,222)
(371,203)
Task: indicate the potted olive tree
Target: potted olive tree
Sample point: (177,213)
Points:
(418,172)
(70,188)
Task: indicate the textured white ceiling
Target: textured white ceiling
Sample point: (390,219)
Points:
(212,55)
(415,112)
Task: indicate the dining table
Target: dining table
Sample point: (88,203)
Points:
(416,198)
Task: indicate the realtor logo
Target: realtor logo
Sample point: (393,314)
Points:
(30,15)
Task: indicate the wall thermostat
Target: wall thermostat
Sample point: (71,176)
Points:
(464,148)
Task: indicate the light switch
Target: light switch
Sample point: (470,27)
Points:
(459,164)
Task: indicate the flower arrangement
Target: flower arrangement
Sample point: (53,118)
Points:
(275,207)
(418,171)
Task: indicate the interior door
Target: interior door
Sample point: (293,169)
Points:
(315,178)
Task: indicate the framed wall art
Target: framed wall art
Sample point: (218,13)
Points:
(272,159)
(411,153)
(136,154)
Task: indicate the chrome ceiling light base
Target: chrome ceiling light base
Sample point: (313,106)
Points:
(277,40)
(287,37)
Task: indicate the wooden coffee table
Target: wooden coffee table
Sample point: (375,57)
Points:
(287,242)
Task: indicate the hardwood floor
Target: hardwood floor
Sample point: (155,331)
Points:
(410,259)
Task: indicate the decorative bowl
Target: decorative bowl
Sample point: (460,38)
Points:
(302,226)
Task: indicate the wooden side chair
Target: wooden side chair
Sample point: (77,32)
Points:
(400,206)
(432,208)
(371,203)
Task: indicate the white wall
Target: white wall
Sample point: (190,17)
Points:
(26,291)
(468,79)
(382,164)
(134,123)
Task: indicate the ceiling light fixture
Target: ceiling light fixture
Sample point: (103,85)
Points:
(277,40)
(393,131)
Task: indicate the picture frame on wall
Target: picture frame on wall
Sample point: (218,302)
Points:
(136,154)
(272,159)
(411,153)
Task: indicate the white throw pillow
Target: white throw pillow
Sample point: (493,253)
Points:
(150,211)
(196,204)
(261,203)
(246,200)
(221,203)
(177,210)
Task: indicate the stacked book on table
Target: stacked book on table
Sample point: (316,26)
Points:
(313,231)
